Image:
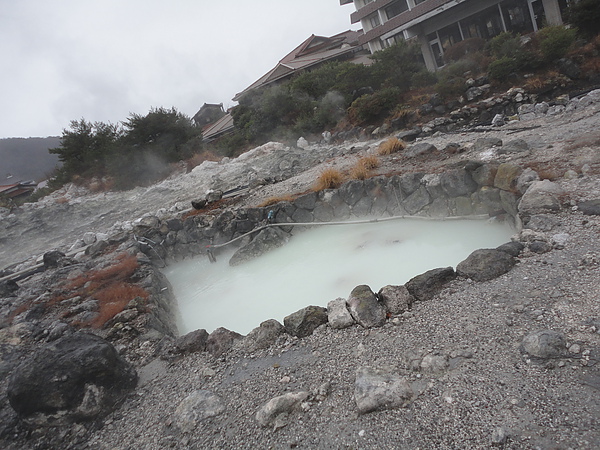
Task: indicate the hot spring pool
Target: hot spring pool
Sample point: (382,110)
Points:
(319,265)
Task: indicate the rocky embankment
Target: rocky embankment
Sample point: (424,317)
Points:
(501,351)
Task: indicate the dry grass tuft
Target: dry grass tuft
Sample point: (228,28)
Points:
(113,299)
(274,200)
(329,179)
(359,172)
(363,166)
(392,145)
(369,162)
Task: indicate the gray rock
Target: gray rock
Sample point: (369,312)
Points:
(590,207)
(54,259)
(284,404)
(263,336)
(428,284)
(352,191)
(543,222)
(526,178)
(395,299)
(513,248)
(214,196)
(486,143)
(338,315)
(434,363)
(194,341)
(265,241)
(485,264)
(416,201)
(421,148)
(376,389)
(8,287)
(77,377)
(515,146)
(540,247)
(499,437)
(302,323)
(196,407)
(545,344)
(457,183)
(365,307)
(541,196)
(221,340)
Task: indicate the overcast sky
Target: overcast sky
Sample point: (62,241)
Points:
(101,60)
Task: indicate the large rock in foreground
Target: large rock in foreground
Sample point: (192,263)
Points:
(302,323)
(376,389)
(428,284)
(365,307)
(485,264)
(78,377)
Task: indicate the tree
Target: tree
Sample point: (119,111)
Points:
(162,131)
(84,146)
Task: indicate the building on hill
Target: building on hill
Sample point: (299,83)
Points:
(208,114)
(19,189)
(438,24)
(313,52)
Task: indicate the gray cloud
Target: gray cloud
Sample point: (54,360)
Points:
(68,59)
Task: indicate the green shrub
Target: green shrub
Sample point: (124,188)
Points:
(463,48)
(501,68)
(505,45)
(423,78)
(369,109)
(585,16)
(555,41)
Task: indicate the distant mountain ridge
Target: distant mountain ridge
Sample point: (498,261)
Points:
(27,159)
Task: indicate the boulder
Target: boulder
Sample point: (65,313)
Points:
(302,323)
(77,377)
(285,404)
(513,248)
(457,183)
(541,196)
(194,341)
(376,389)
(590,207)
(507,176)
(265,241)
(514,146)
(482,144)
(8,287)
(421,148)
(338,315)
(545,344)
(196,407)
(221,340)
(365,308)
(485,264)
(395,299)
(263,336)
(428,284)
(54,259)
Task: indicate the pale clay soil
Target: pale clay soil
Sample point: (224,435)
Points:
(489,385)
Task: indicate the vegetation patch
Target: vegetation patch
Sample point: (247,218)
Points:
(392,145)
(329,179)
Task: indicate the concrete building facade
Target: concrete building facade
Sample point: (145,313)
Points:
(439,24)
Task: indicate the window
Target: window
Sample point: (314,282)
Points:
(373,20)
(396,8)
(517,17)
(449,36)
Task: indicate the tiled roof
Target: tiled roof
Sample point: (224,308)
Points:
(314,50)
(220,127)
(405,17)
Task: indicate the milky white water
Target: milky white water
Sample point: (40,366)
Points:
(319,265)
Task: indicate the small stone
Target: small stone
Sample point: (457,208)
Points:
(575,349)
(499,437)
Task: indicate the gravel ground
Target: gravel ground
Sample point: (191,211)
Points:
(550,404)
(489,390)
